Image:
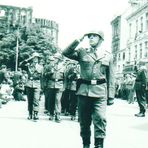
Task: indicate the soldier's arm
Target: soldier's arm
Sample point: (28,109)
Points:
(111,82)
(70,52)
(144,75)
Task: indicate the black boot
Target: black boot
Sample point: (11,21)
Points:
(57,118)
(30,115)
(35,116)
(86,142)
(51,118)
(99,142)
(86,146)
(141,114)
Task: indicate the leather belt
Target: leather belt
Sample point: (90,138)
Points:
(92,82)
(56,80)
(31,78)
(138,80)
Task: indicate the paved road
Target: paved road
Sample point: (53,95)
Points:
(124,130)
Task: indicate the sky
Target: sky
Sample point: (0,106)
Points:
(76,17)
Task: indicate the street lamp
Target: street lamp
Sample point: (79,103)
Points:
(17,49)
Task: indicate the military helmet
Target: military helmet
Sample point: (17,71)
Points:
(58,56)
(35,54)
(51,58)
(99,33)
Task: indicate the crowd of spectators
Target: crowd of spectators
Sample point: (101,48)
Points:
(11,85)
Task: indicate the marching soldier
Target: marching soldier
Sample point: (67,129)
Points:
(96,86)
(33,85)
(71,77)
(55,87)
(46,76)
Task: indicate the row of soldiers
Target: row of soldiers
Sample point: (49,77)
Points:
(56,79)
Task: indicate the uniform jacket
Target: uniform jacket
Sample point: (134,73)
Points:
(71,77)
(54,76)
(93,67)
(34,76)
(141,78)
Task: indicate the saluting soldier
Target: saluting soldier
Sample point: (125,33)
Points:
(33,84)
(96,86)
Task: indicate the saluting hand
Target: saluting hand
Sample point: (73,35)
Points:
(82,38)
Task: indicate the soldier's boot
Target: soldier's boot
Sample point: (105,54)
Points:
(57,118)
(51,118)
(99,142)
(73,118)
(86,146)
(86,142)
(35,116)
(30,115)
(140,114)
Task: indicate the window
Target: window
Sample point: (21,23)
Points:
(140,50)
(2,12)
(123,55)
(119,56)
(130,30)
(116,29)
(141,24)
(118,67)
(146,49)
(136,26)
(146,45)
(147,21)
(129,54)
(136,52)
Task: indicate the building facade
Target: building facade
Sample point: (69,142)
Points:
(11,16)
(50,28)
(130,37)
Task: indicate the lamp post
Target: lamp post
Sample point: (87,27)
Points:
(17,47)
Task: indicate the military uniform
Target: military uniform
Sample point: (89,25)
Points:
(55,77)
(95,86)
(33,85)
(140,88)
(71,78)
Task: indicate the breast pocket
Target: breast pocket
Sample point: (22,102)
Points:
(103,69)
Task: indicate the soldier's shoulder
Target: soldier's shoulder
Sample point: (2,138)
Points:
(107,55)
(107,58)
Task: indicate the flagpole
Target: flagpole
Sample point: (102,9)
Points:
(17,46)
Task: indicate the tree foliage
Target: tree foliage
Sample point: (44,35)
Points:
(30,39)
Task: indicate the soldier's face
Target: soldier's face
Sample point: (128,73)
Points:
(35,60)
(94,40)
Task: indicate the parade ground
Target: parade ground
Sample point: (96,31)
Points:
(124,130)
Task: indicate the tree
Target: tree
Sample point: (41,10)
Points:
(31,39)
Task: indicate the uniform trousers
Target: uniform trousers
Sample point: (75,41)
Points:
(141,99)
(92,109)
(73,102)
(33,97)
(46,93)
(65,101)
(54,100)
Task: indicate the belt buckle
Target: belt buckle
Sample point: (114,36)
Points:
(31,78)
(56,80)
(78,76)
(94,82)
